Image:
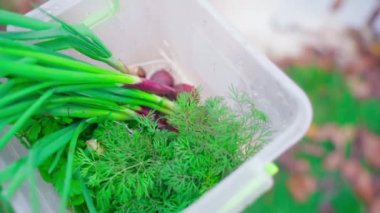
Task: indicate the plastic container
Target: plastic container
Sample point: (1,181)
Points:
(202,49)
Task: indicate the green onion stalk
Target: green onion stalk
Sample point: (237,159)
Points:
(58,35)
(37,80)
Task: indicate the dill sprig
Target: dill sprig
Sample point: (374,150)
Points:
(147,169)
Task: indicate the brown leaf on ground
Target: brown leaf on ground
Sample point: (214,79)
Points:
(349,132)
(328,185)
(333,161)
(327,60)
(361,180)
(374,207)
(376,185)
(312,132)
(363,70)
(301,166)
(326,208)
(293,165)
(340,136)
(366,62)
(349,169)
(325,131)
(373,79)
(301,186)
(373,17)
(364,75)
(312,149)
(363,186)
(307,57)
(359,39)
(286,162)
(371,147)
(357,147)
(374,48)
(359,87)
(285,62)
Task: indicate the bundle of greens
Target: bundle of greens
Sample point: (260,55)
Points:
(111,141)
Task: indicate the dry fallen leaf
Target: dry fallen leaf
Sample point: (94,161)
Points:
(363,186)
(373,79)
(295,166)
(333,161)
(312,132)
(376,184)
(307,56)
(374,207)
(373,17)
(301,166)
(301,186)
(360,179)
(327,60)
(312,149)
(340,136)
(328,185)
(359,87)
(284,62)
(371,147)
(357,147)
(375,48)
(326,208)
(323,132)
(349,169)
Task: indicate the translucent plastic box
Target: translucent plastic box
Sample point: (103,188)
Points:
(202,49)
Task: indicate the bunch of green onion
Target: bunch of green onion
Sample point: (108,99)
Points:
(37,80)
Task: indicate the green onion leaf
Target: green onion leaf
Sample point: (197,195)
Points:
(11,18)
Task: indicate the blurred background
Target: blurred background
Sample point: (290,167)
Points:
(331,48)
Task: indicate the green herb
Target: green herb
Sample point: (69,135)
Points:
(83,128)
(59,34)
(5,206)
(146,169)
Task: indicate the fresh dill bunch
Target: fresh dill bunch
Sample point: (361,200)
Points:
(143,168)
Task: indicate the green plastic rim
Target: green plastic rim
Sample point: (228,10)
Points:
(272,169)
(101,17)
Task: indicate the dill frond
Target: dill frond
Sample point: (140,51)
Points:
(147,169)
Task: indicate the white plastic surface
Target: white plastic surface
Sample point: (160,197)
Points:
(205,51)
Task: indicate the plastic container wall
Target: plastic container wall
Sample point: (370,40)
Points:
(205,51)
